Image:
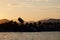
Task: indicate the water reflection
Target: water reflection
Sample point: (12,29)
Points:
(30,36)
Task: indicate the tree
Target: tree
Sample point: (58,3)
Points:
(39,22)
(20,20)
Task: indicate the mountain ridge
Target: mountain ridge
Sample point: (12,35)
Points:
(4,21)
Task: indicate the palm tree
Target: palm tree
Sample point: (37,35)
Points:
(20,20)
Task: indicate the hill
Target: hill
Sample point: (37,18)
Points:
(51,20)
(3,21)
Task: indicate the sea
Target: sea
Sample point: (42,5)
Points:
(29,35)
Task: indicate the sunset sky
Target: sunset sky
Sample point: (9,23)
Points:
(29,9)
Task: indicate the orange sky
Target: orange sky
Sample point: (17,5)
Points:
(29,9)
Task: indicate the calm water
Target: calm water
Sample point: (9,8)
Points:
(30,36)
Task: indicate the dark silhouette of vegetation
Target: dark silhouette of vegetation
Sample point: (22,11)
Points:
(13,26)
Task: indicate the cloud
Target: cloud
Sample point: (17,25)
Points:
(21,4)
(12,4)
(40,0)
(33,4)
(58,6)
